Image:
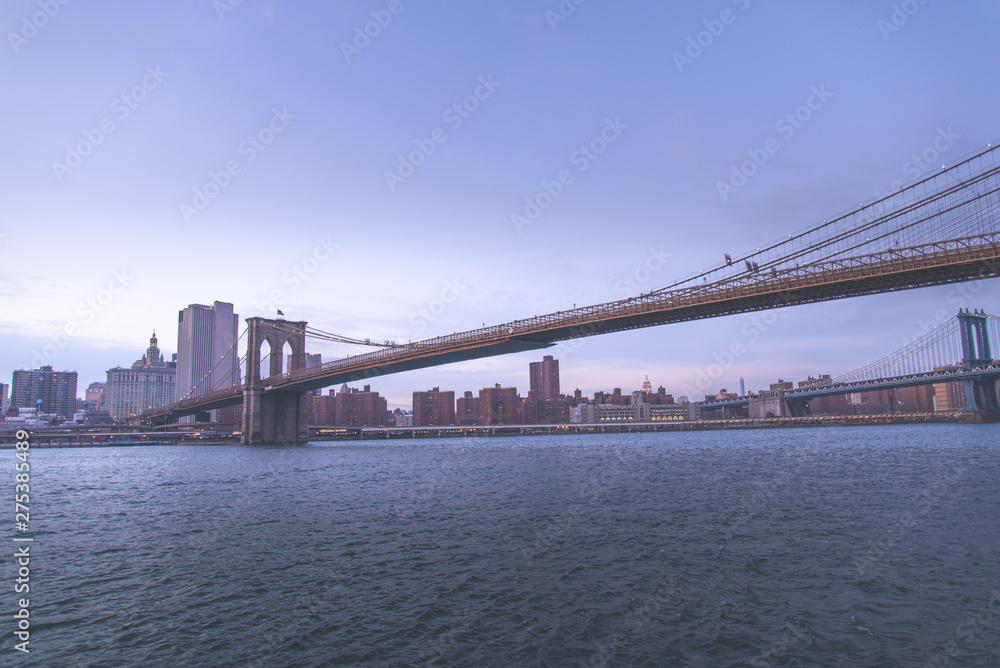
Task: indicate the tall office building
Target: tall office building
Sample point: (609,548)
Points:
(206,337)
(433,408)
(52,392)
(4,400)
(148,383)
(544,378)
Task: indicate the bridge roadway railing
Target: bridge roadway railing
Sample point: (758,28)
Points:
(780,284)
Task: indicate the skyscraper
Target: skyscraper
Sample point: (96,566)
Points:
(206,337)
(544,378)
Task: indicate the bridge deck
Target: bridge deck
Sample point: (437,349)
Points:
(936,264)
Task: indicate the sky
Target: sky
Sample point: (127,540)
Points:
(397,169)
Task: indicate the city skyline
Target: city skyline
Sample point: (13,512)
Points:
(393,191)
(543,379)
(712,379)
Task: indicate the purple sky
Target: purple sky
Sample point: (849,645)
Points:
(162,154)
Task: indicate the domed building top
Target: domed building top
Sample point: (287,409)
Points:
(153,357)
(647,387)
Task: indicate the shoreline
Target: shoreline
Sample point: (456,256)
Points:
(331,434)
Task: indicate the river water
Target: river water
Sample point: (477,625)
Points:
(841,546)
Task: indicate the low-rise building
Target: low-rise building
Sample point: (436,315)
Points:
(604,413)
(669,413)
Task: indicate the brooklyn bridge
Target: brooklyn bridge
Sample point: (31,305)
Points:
(942,229)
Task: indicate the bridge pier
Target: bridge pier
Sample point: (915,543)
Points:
(980,393)
(273,417)
(769,404)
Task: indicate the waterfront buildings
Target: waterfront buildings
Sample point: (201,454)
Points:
(949,396)
(51,392)
(547,411)
(598,413)
(499,405)
(669,412)
(433,408)
(467,412)
(359,408)
(92,417)
(148,383)
(349,407)
(544,379)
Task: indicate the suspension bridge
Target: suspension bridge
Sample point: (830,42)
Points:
(942,229)
(958,351)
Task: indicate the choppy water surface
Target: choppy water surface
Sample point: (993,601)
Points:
(875,546)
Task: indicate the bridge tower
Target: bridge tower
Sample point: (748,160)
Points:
(980,393)
(273,417)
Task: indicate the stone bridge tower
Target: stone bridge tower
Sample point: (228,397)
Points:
(273,416)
